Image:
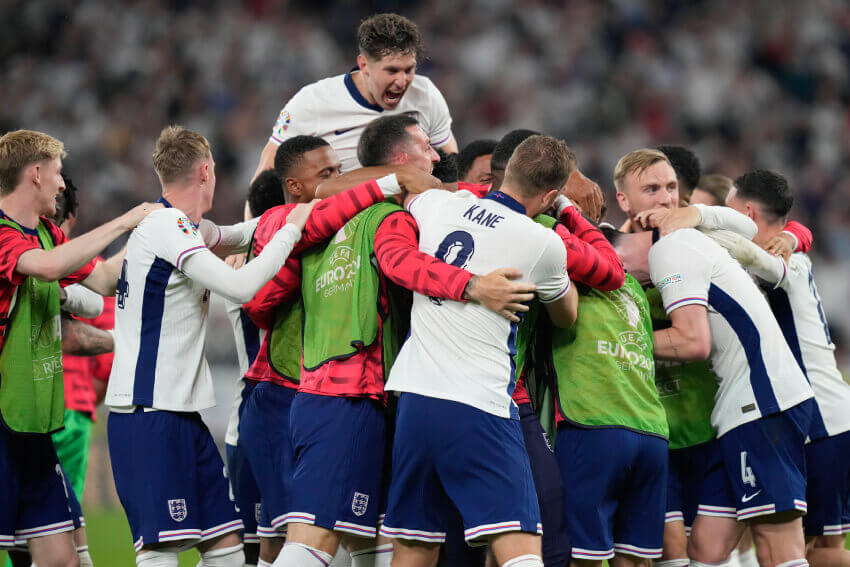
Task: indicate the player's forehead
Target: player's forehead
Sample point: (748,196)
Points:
(418,134)
(396,60)
(320,158)
(659,173)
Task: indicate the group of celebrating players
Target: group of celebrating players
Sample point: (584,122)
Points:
(446,358)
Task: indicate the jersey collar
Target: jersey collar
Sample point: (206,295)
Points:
(356,95)
(165,203)
(506,200)
(27,230)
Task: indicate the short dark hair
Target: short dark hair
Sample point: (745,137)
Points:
(471,152)
(382,34)
(539,164)
(381,137)
(290,152)
(266,191)
(446,169)
(686,165)
(504,149)
(610,233)
(768,188)
(66,201)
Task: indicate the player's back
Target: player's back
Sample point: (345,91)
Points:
(463,351)
(757,372)
(799,311)
(160,320)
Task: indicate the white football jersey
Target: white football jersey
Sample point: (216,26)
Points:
(463,351)
(160,320)
(797,306)
(248,339)
(756,370)
(335,110)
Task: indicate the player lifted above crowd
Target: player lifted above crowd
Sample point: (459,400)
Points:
(384,82)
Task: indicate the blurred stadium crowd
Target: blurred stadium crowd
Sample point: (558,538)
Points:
(745,83)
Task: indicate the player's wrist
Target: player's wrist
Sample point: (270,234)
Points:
(561,203)
(469,293)
(389,185)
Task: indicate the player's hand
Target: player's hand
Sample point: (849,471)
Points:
(497,291)
(138,213)
(236,261)
(586,195)
(299,215)
(668,220)
(783,244)
(414,180)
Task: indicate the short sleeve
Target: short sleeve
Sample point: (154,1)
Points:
(13,244)
(294,119)
(550,273)
(439,119)
(172,236)
(680,271)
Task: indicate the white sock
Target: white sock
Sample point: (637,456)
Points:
(748,558)
(224,557)
(85,558)
(794,563)
(671,562)
(342,558)
(300,555)
(261,563)
(720,564)
(157,559)
(524,561)
(380,556)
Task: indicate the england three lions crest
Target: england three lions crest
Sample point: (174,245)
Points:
(177,509)
(359,503)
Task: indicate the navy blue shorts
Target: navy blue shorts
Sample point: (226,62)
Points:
(549,488)
(615,484)
(686,471)
(169,477)
(33,495)
(245,493)
(765,467)
(339,445)
(265,434)
(451,453)
(828,486)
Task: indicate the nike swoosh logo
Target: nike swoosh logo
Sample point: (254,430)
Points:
(341,132)
(746,498)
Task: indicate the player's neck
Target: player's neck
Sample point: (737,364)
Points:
(531,205)
(360,83)
(767,231)
(186,199)
(20,206)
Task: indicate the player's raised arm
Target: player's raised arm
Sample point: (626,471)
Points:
(239,286)
(65,259)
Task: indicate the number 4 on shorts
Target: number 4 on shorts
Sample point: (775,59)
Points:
(747,476)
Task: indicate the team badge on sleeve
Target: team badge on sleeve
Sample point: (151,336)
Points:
(177,509)
(671,279)
(282,124)
(187,227)
(359,503)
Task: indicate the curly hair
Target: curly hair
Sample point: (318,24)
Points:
(383,34)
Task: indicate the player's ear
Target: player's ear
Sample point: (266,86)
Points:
(293,186)
(623,201)
(361,62)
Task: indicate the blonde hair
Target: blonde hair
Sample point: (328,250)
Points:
(636,161)
(539,164)
(177,150)
(21,148)
(716,185)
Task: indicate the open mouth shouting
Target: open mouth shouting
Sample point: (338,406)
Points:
(392,96)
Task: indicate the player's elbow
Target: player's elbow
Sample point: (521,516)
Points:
(564,311)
